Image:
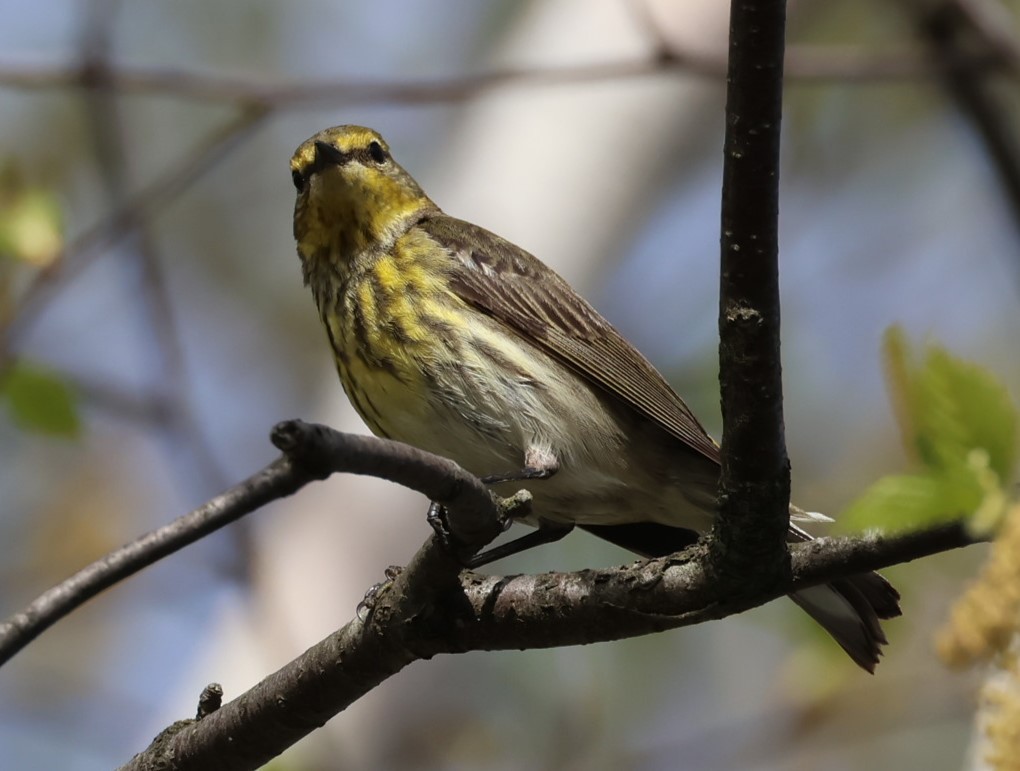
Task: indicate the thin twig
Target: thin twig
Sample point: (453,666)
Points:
(277,480)
(241,92)
(310,452)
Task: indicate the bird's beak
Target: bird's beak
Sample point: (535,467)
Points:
(326,154)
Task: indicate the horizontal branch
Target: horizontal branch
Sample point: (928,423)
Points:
(474,515)
(495,613)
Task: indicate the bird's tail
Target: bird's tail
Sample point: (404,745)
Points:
(849,609)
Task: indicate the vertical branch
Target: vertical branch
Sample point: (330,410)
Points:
(750,532)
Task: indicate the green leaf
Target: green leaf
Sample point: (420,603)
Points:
(976,413)
(40,400)
(959,423)
(948,407)
(912,501)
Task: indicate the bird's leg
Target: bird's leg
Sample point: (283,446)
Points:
(520,475)
(539,463)
(547,532)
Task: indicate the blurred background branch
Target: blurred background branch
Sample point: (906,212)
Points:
(810,64)
(952,29)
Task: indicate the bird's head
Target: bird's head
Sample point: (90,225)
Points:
(352,196)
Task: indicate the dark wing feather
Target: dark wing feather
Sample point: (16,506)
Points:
(513,287)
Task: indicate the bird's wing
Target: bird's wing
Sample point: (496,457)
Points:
(516,289)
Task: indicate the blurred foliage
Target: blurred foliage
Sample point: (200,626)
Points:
(984,620)
(984,627)
(40,399)
(30,222)
(959,426)
(31,237)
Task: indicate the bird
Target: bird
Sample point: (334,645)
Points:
(454,340)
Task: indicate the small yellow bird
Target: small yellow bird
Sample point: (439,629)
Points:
(452,339)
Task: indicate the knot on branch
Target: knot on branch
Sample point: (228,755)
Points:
(306,445)
(210,700)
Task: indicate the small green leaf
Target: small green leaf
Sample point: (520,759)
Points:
(981,414)
(960,425)
(912,501)
(40,400)
(947,407)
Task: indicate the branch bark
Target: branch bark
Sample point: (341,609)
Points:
(749,537)
(418,617)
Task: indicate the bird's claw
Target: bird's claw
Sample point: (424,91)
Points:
(436,517)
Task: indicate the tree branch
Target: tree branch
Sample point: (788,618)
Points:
(432,607)
(310,452)
(749,536)
(418,617)
(277,480)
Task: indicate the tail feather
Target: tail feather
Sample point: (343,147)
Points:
(849,610)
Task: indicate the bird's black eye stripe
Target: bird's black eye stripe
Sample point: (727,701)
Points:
(375,150)
(329,156)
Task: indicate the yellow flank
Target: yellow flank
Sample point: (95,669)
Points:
(388,275)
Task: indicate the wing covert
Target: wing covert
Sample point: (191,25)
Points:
(517,290)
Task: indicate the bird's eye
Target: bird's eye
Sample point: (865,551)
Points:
(376,151)
(299,180)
